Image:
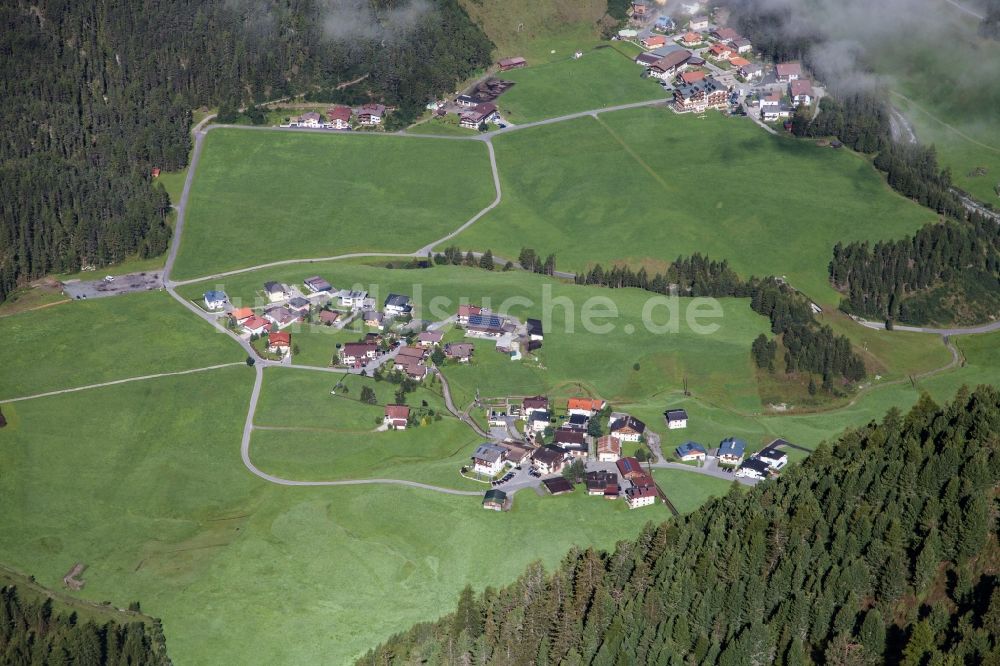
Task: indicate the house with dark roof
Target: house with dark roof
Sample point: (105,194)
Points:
(485,325)
(397,305)
(774,457)
(598,481)
(548,460)
(275,291)
(667,66)
(751,70)
(478,115)
(494,500)
(534,327)
(701,96)
(281,316)
(514,62)
(647,58)
(468,101)
(741,44)
(317,285)
(558,485)
(628,429)
(754,468)
(698,23)
(358,353)
(370,114)
(537,403)
(577,422)
(396,416)
(731,451)
(538,420)
(724,34)
(676,418)
(299,305)
(461,351)
(786,72)
(352,298)
(328,317)
(689,451)
(801,92)
(429,338)
(639,496)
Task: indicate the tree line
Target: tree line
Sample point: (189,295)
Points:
(876,549)
(34,632)
(892,280)
(107,98)
(809,347)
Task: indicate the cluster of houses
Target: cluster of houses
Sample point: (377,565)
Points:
(780,104)
(339,117)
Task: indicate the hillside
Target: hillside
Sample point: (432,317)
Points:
(535,28)
(880,548)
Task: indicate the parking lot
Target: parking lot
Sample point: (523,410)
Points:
(122,284)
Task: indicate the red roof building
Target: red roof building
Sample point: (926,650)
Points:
(692,77)
(396,416)
(339,117)
(512,63)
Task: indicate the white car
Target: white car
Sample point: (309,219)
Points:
(109,278)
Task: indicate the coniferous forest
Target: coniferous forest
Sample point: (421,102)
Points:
(880,548)
(944,273)
(35,633)
(95,95)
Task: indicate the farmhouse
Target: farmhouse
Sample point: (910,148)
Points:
(281,316)
(275,291)
(599,480)
(461,351)
(339,117)
(676,418)
(414,370)
(255,325)
(630,468)
(397,305)
(698,23)
(516,62)
(466,311)
(396,416)
(494,500)
(279,342)
(354,299)
(801,92)
(317,285)
(585,406)
(689,451)
(731,451)
(429,338)
(534,328)
(489,459)
(538,403)
(787,71)
(653,41)
(215,300)
(753,469)
(691,39)
(724,34)
(669,65)
(240,315)
(358,353)
(370,114)
(706,94)
(647,58)
(558,486)
(485,325)
(609,449)
(482,113)
(328,317)
(548,460)
(372,319)
(628,429)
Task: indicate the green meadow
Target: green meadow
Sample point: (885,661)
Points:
(104,339)
(152,496)
(262,196)
(605,76)
(644,186)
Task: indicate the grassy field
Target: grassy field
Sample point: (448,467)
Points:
(265,196)
(99,340)
(539,31)
(689,491)
(953,108)
(604,76)
(233,565)
(644,186)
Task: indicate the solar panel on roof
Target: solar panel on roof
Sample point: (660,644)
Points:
(487,321)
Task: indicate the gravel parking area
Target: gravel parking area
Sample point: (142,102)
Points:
(121,284)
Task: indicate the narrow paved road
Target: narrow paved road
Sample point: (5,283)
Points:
(457,413)
(947,332)
(119,381)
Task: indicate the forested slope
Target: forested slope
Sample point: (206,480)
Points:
(879,549)
(96,94)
